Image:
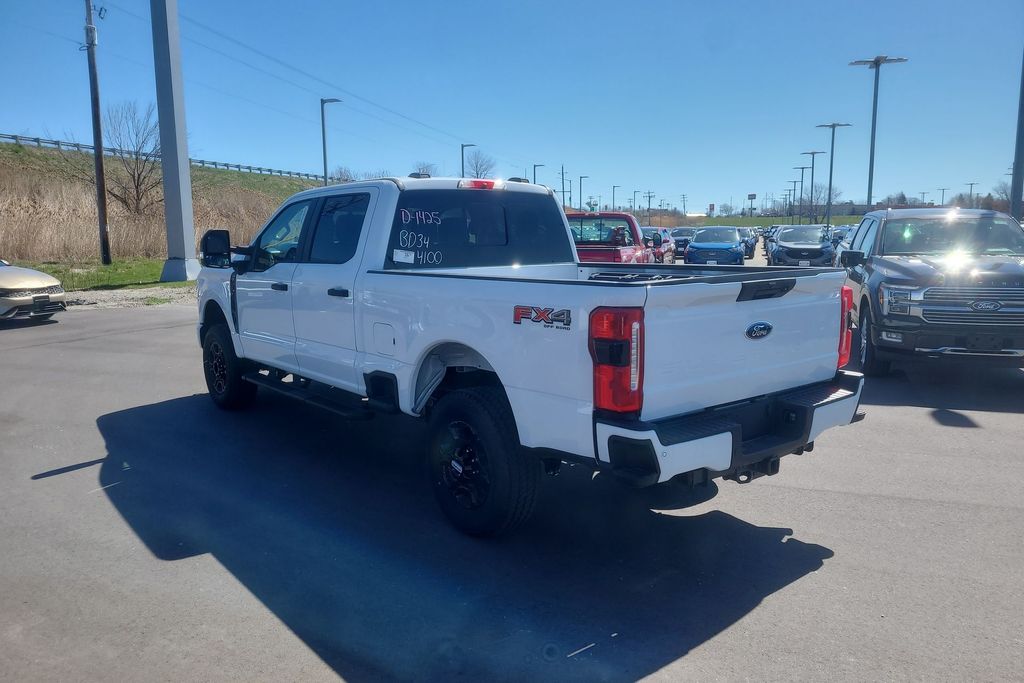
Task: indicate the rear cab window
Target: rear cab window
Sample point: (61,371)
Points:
(472,228)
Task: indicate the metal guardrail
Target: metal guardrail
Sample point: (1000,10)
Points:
(113,151)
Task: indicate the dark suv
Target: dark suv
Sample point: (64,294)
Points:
(937,283)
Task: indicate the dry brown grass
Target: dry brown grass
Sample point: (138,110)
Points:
(44,217)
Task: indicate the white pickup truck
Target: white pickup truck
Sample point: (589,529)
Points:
(462,302)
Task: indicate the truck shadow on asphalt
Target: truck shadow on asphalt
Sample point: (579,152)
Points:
(948,390)
(333,527)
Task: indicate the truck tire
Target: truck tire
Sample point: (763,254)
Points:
(224,370)
(484,482)
(870,365)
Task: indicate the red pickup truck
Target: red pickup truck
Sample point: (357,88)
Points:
(608,237)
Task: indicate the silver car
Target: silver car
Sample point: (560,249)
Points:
(27,293)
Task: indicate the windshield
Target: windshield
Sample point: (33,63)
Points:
(717,235)
(993,235)
(805,234)
(601,231)
(683,232)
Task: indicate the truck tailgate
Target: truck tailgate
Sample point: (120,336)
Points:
(697,352)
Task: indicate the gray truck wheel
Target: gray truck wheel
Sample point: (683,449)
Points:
(484,482)
(224,370)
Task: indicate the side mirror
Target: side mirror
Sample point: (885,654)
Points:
(648,242)
(215,249)
(772,239)
(850,259)
(657,239)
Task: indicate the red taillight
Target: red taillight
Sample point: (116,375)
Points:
(846,327)
(617,348)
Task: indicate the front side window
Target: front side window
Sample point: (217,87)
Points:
(868,244)
(279,242)
(471,228)
(858,239)
(338,228)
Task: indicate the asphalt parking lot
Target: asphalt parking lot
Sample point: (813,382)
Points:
(146,535)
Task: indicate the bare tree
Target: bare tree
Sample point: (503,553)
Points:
(134,140)
(343,174)
(1001,190)
(479,165)
(425,167)
(725,209)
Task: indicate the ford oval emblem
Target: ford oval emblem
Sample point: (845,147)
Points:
(759,330)
(986,306)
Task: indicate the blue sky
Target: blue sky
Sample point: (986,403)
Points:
(710,99)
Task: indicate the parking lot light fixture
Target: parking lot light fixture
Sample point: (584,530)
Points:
(324,101)
(814,214)
(800,213)
(971,185)
(831,163)
(463,151)
(876,64)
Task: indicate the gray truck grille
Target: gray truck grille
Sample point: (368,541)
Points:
(965,296)
(1013,318)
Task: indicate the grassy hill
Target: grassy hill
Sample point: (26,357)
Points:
(47,217)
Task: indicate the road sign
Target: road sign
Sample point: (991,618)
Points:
(751,196)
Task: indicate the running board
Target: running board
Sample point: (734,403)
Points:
(337,401)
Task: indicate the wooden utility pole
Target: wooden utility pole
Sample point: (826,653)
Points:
(97,135)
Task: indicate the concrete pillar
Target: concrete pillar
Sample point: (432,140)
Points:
(181,263)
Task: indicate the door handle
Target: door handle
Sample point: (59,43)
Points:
(338,291)
(279,287)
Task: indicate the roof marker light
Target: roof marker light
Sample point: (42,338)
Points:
(481,184)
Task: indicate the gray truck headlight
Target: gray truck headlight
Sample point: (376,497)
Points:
(895,299)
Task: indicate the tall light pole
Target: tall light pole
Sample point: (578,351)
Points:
(831,163)
(792,197)
(814,214)
(636,207)
(580,188)
(463,152)
(570,192)
(942,202)
(562,174)
(535,167)
(923,195)
(800,213)
(876,64)
(683,197)
(649,195)
(972,191)
(613,195)
(1017,179)
(324,101)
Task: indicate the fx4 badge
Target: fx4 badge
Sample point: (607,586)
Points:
(549,317)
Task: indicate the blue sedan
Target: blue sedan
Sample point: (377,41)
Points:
(719,245)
